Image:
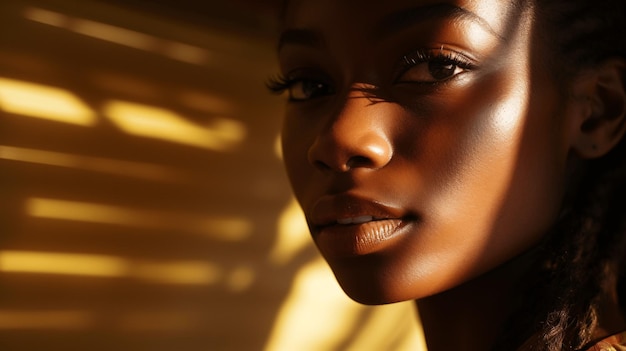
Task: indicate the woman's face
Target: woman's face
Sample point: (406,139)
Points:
(425,140)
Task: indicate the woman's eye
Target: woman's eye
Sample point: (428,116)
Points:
(304,89)
(299,89)
(430,72)
(432,67)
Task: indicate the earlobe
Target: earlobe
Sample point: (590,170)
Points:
(601,98)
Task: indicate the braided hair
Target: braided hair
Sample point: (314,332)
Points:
(585,254)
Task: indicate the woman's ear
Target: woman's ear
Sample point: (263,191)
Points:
(600,93)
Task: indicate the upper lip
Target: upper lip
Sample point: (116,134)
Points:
(328,210)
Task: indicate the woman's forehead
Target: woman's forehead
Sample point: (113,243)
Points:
(347,28)
(312,14)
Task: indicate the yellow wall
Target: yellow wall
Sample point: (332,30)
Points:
(144,205)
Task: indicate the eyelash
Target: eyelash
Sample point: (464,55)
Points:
(309,88)
(280,83)
(439,56)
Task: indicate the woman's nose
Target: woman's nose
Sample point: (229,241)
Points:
(356,137)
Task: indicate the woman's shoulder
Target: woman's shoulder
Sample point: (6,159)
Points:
(616,342)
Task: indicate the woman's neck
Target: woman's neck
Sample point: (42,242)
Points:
(610,318)
(471,317)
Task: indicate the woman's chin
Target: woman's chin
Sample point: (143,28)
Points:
(371,289)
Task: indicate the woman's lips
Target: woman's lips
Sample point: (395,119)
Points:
(346,225)
(340,240)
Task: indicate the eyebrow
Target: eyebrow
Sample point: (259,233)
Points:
(392,23)
(302,37)
(405,18)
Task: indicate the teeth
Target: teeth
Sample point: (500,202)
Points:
(355,220)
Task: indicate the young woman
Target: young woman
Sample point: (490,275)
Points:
(469,155)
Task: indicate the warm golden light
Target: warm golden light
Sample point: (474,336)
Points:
(42,101)
(103,266)
(395,321)
(220,228)
(300,321)
(113,34)
(92,29)
(126,85)
(61,263)
(292,236)
(158,321)
(240,279)
(158,123)
(121,168)
(207,103)
(182,272)
(278,148)
(341,324)
(46,17)
(45,320)
(122,36)
(229,131)
(186,53)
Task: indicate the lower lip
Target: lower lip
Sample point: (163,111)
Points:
(358,239)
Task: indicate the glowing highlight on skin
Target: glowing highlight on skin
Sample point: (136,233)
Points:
(478,38)
(45,102)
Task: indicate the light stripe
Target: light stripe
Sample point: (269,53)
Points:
(220,228)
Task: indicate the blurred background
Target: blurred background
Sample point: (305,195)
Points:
(144,204)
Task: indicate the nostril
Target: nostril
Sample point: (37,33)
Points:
(321,165)
(343,146)
(358,161)
(340,156)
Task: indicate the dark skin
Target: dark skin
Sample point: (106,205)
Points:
(431,149)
